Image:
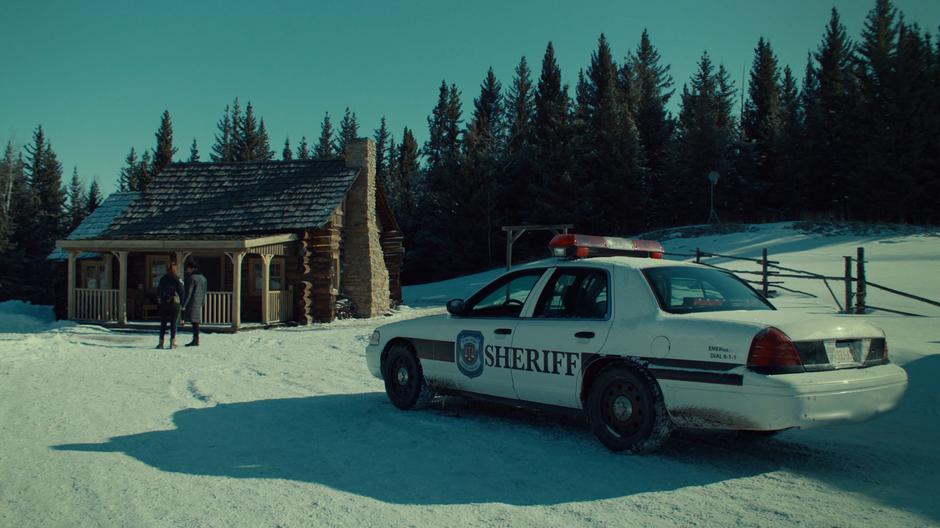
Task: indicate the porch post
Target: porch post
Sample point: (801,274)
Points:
(265,287)
(181,257)
(71,284)
(122,287)
(108,269)
(237,288)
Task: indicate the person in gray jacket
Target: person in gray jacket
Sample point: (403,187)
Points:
(195,296)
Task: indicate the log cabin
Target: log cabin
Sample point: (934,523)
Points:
(278,241)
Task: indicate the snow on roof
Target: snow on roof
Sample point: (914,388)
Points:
(97,222)
(233,199)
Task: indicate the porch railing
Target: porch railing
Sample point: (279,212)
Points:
(217,308)
(279,303)
(92,304)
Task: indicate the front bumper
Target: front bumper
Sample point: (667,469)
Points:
(772,402)
(374,360)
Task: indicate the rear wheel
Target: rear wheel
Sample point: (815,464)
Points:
(626,410)
(404,379)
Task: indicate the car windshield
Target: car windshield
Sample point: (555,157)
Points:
(685,289)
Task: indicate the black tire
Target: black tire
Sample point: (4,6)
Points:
(404,379)
(626,410)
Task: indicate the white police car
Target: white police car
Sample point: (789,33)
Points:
(640,344)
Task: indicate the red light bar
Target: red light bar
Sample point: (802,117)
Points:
(579,246)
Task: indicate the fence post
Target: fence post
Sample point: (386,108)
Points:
(861,287)
(763,272)
(698,256)
(848,285)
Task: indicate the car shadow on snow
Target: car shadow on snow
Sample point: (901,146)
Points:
(360,444)
(452,453)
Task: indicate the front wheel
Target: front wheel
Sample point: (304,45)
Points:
(404,379)
(626,410)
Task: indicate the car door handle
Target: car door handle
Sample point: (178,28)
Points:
(503,331)
(584,335)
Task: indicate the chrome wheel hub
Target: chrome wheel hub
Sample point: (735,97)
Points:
(402,376)
(622,408)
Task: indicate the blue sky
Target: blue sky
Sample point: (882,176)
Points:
(98,74)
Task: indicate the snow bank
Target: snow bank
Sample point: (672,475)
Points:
(23,317)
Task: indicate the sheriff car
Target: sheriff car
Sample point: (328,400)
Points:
(640,345)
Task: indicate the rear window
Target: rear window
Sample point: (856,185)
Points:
(683,289)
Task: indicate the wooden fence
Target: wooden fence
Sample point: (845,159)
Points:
(217,308)
(279,305)
(92,304)
(855,284)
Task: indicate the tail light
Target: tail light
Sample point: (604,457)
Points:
(877,352)
(772,352)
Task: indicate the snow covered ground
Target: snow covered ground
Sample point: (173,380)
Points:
(285,427)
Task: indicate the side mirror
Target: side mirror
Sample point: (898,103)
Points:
(456,307)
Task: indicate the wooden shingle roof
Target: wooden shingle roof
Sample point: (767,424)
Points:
(97,222)
(233,199)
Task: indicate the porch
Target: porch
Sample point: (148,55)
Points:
(247,280)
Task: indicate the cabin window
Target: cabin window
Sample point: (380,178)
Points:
(257,275)
(92,275)
(157,266)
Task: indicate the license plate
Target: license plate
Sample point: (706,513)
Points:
(842,352)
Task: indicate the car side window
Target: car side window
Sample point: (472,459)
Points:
(574,293)
(505,297)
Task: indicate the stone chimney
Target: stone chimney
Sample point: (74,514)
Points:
(365,277)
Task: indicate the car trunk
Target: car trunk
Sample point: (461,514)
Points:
(824,342)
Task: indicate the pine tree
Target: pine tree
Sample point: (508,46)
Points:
(877,82)
(263,149)
(194,152)
(45,177)
(143,174)
(442,147)
(554,179)
(93,199)
(248,146)
(441,198)
(831,124)
(303,150)
(127,180)
(763,127)
(324,148)
(407,197)
(931,175)
(287,154)
(479,188)
(405,188)
(611,158)
(520,108)
(348,131)
(913,123)
(163,155)
(36,234)
(10,172)
(705,135)
(224,148)
(238,132)
(382,147)
(76,208)
(655,126)
(21,213)
(791,169)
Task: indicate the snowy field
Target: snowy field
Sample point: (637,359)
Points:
(286,428)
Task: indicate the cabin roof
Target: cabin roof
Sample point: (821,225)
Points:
(227,200)
(97,222)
